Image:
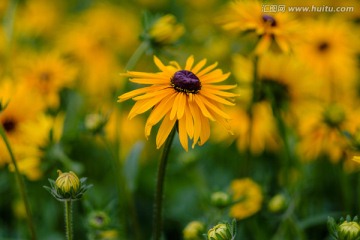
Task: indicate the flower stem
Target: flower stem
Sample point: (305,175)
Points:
(68,220)
(21,184)
(136,55)
(157,222)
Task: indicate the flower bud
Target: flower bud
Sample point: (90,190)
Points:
(277,203)
(221,231)
(220,199)
(166,31)
(194,231)
(95,122)
(98,219)
(67,183)
(349,230)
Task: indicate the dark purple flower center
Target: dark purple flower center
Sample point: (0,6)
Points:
(269,19)
(9,125)
(323,46)
(185,81)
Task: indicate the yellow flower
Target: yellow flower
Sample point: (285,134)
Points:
(261,128)
(166,31)
(320,129)
(26,126)
(247,197)
(185,96)
(329,48)
(67,182)
(48,74)
(246,15)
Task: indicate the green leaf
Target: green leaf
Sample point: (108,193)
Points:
(132,165)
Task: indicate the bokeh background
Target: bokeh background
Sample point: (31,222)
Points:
(296,123)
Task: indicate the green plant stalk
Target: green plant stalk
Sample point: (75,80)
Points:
(68,220)
(21,183)
(136,55)
(157,221)
(256,88)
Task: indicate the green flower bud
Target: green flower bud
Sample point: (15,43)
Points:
(349,231)
(67,187)
(194,231)
(98,219)
(221,231)
(277,203)
(220,199)
(95,122)
(67,183)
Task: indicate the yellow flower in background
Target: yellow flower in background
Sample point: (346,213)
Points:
(247,198)
(48,74)
(129,131)
(258,133)
(329,49)
(166,30)
(186,96)
(320,129)
(30,21)
(26,126)
(247,15)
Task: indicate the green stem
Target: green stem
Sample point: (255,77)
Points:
(136,55)
(21,184)
(68,220)
(160,186)
(255,88)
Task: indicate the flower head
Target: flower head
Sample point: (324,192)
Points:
(222,231)
(67,187)
(349,230)
(165,30)
(243,16)
(67,183)
(247,198)
(185,96)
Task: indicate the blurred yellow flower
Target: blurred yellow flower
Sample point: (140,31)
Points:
(257,133)
(26,126)
(30,21)
(194,231)
(47,74)
(247,15)
(320,129)
(247,198)
(166,30)
(329,49)
(185,96)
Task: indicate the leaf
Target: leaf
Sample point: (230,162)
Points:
(132,165)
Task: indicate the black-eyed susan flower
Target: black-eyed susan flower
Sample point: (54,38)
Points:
(329,48)
(186,96)
(277,27)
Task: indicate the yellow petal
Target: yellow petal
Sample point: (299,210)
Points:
(164,130)
(182,134)
(213,106)
(189,63)
(198,66)
(206,70)
(202,107)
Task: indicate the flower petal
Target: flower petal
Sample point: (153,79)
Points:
(164,130)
